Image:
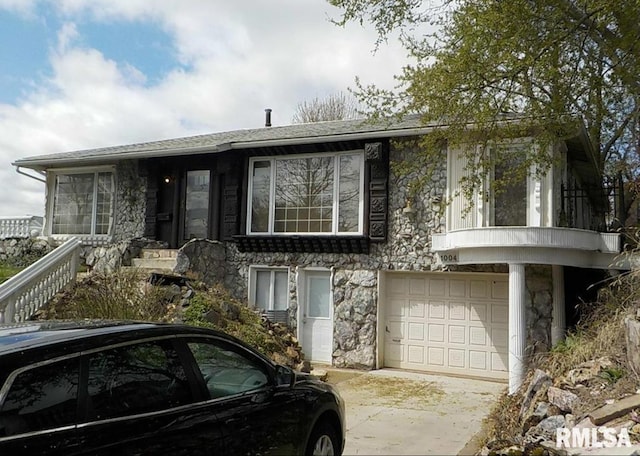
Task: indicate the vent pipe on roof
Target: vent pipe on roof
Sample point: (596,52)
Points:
(267,117)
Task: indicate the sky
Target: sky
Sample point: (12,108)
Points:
(78,74)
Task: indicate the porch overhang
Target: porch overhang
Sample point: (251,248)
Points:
(531,245)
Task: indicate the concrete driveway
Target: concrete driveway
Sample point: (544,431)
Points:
(396,412)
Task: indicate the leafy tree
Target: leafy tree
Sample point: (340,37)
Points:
(334,107)
(552,63)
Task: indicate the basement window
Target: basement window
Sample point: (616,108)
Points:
(269,288)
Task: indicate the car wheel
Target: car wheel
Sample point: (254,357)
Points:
(323,441)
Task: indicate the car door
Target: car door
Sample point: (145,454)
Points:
(38,412)
(256,415)
(140,401)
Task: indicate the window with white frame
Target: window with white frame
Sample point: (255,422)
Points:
(270,288)
(510,198)
(318,194)
(83,203)
(513,201)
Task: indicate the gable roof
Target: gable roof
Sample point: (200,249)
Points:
(310,133)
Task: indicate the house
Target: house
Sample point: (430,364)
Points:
(311,219)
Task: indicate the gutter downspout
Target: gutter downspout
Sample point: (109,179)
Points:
(39,179)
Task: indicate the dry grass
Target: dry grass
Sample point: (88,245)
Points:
(121,295)
(503,423)
(599,334)
(394,391)
(338,376)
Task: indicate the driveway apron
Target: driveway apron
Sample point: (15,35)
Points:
(397,412)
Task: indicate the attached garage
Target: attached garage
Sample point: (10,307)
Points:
(454,323)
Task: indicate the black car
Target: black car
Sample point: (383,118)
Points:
(122,388)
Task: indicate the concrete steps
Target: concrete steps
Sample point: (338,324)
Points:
(156,260)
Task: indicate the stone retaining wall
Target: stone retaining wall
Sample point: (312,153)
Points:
(22,252)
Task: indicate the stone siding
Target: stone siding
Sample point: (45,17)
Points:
(355,318)
(539,282)
(130,202)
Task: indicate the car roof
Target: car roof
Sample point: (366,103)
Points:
(23,336)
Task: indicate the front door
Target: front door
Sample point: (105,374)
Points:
(167,215)
(317,319)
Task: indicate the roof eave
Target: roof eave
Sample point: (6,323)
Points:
(43,164)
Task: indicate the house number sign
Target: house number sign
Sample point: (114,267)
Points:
(451,257)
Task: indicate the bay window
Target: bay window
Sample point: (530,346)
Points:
(319,194)
(83,203)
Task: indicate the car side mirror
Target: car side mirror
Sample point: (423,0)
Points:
(285,376)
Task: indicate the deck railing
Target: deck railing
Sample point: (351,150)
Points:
(20,227)
(29,290)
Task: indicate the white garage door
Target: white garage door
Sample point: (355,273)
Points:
(447,322)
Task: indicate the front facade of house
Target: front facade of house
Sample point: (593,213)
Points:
(314,224)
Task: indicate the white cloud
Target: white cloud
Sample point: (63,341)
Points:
(240,56)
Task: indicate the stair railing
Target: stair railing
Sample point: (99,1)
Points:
(29,290)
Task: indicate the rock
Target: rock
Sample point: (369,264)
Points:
(188,294)
(213,316)
(231,311)
(609,412)
(552,423)
(544,431)
(585,423)
(279,358)
(292,352)
(632,338)
(364,278)
(513,450)
(204,259)
(538,414)
(172,293)
(551,448)
(587,371)
(563,399)
(538,386)
(322,374)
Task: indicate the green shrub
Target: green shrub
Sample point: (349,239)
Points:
(612,374)
(216,308)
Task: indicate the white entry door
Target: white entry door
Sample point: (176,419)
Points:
(317,318)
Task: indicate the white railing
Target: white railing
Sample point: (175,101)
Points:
(20,227)
(528,236)
(26,292)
